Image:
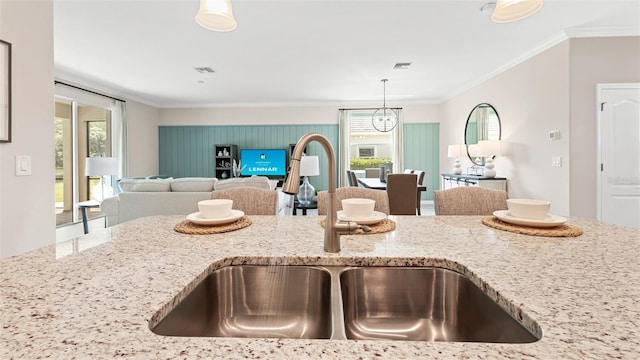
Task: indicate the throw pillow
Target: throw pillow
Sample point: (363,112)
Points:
(145,185)
(196,184)
(261,182)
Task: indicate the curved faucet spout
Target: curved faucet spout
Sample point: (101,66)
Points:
(332,229)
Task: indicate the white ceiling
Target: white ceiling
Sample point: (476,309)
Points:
(309,52)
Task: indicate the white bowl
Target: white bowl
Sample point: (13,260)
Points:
(528,208)
(215,208)
(357,208)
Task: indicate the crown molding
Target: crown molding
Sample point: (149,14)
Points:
(603,31)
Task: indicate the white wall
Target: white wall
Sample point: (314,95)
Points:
(27,209)
(593,61)
(531,99)
(142,121)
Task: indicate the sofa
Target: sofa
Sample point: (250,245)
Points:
(179,196)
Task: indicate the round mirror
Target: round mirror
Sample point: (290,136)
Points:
(483,123)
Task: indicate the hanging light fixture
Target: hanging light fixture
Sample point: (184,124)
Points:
(513,10)
(384,119)
(216,15)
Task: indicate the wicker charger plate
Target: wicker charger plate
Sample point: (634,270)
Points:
(383,226)
(559,231)
(187,227)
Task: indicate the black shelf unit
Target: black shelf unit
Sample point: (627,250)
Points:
(225,154)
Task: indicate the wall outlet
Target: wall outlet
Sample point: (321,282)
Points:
(556,161)
(554,135)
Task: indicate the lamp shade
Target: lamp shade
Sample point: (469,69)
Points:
(454,150)
(489,148)
(309,166)
(473,149)
(98,166)
(513,10)
(216,15)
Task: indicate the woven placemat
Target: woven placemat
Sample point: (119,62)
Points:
(385,225)
(187,227)
(560,230)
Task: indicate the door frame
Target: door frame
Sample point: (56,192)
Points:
(599,89)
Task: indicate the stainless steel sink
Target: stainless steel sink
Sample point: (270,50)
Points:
(255,301)
(423,304)
(313,302)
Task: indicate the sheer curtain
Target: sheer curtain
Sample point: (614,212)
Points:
(482,118)
(399,143)
(344,121)
(119,125)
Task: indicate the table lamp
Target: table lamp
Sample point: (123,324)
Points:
(488,149)
(455,151)
(309,166)
(101,166)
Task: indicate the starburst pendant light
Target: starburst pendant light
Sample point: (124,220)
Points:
(513,10)
(384,119)
(216,15)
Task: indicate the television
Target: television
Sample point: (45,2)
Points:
(263,162)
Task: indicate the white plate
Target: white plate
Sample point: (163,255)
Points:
(197,219)
(550,221)
(375,217)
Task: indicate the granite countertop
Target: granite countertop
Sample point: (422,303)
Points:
(92,297)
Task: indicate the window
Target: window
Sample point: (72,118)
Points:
(81,131)
(366,152)
(362,146)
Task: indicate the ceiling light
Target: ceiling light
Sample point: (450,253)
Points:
(384,119)
(216,15)
(513,10)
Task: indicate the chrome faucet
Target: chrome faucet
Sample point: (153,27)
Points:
(332,228)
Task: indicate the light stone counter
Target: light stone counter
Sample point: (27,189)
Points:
(93,297)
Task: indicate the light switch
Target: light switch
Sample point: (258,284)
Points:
(556,161)
(554,135)
(23,165)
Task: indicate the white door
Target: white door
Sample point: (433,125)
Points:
(619,152)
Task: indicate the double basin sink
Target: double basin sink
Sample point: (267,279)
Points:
(344,302)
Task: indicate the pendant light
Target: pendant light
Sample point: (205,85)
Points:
(384,119)
(512,10)
(216,15)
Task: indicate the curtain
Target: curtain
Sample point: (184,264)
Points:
(119,126)
(482,119)
(399,143)
(344,122)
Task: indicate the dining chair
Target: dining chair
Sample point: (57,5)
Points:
(382,201)
(469,200)
(352,178)
(401,189)
(420,175)
(372,172)
(251,200)
(408,171)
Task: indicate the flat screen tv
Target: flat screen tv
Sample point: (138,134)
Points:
(264,162)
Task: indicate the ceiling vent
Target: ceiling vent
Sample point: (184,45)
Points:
(205,70)
(401,66)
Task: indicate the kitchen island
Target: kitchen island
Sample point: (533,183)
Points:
(93,297)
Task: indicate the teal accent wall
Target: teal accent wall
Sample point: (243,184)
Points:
(422,152)
(187,151)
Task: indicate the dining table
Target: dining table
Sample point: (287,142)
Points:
(375,183)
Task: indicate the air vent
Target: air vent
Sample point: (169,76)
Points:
(401,66)
(205,70)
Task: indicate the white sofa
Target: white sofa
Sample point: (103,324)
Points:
(180,196)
